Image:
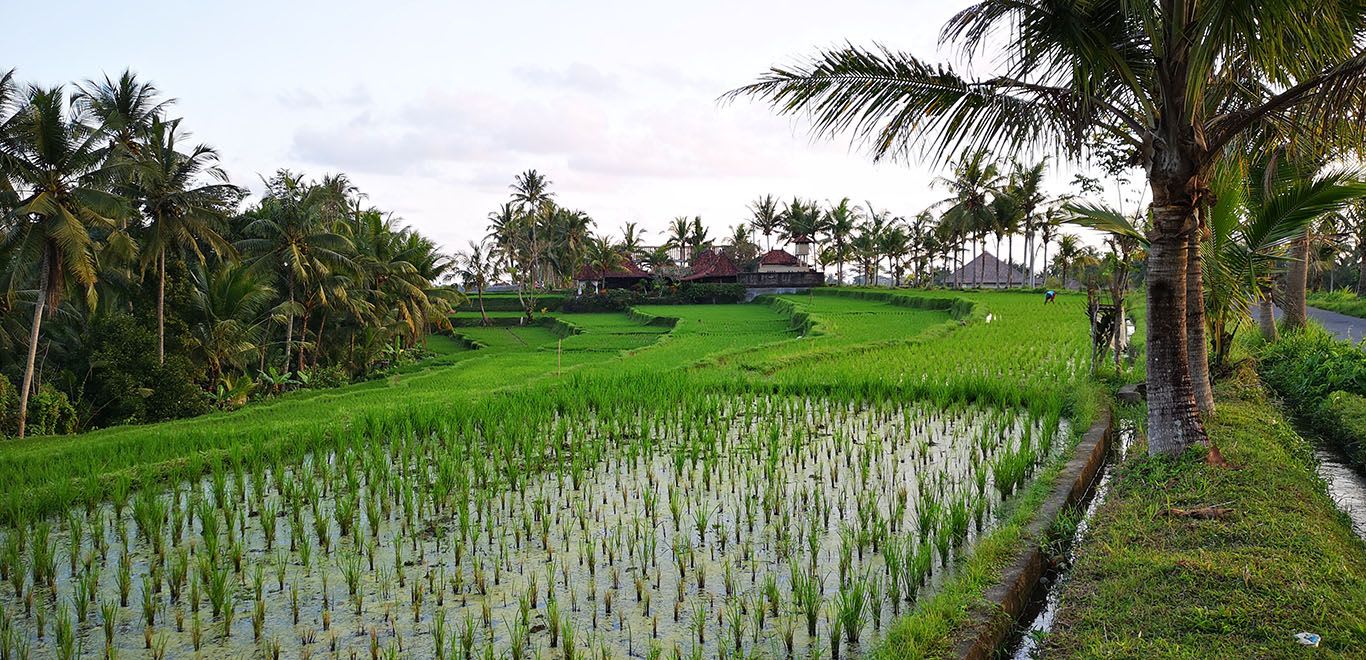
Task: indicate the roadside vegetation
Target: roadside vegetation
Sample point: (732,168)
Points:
(1191,560)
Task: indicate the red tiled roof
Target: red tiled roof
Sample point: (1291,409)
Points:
(712,264)
(628,268)
(779,258)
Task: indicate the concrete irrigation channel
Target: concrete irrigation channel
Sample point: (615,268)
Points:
(1010,598)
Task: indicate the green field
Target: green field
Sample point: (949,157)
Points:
(500,396)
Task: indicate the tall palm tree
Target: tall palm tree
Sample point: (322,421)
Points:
(1069,249)
(680,236)
(765,218)
(476,267)
(126,107)
(698,241)
(170,189)
(602,257)
(1026,188)
(287,236)
(971,186)
(1176,82)
(57,163)
(840,221)
(632,239)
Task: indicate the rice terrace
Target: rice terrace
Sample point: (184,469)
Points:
(1087,386)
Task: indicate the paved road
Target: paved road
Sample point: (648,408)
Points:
(1346,327)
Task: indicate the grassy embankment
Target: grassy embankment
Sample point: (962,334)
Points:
(1152,583)
(1342,302)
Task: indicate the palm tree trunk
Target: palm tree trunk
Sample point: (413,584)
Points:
(289,322)
(1266,318)
(1361,266)
(1010,259)
(1296,283)
(998,261)
(303,337)
(1173,418)
(479,291)
(38,304)
(1196,343)
(161,306)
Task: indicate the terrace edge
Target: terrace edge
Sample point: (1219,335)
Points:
(989,627)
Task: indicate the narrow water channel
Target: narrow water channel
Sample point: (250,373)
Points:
(1031,637)
(1346,486)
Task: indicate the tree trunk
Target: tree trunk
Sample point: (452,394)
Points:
(1010,260)
(161,306)
(1266,318)
(1196,342)
(1361,266)
(479,291)
(38,304)
(289,322)
(1296,282)
(1173,418)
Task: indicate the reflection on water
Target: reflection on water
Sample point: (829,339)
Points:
(1346,486)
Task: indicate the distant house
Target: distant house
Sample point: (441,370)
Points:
(712,267)
(780,261)
(625,276)
(985,271)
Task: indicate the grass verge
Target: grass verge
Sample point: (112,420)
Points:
(1149,584)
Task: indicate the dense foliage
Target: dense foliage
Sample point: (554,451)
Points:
(135,287)
(1323,380)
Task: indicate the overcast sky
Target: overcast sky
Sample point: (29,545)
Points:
(432,108)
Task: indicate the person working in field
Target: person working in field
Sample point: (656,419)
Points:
(1049,295)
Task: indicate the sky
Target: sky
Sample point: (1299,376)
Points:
(433,108)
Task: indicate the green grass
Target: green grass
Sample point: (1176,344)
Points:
(1152,585)
(1341,301)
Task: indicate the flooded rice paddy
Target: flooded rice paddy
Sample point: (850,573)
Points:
(731,527)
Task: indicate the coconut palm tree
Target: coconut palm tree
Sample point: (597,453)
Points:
(1069,250)
(229,304)
(57,162)
(698,241)
(972,185)
(602,257)
(1178,83)
(476,267)
(680,236)
(1025,186)
(840,221)
(287,236)
(632,239)
(765,218)
(126,107)
(183,196)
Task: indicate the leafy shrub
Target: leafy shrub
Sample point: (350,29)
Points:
(50,413)
(1323,379)
(1305,367)
(329,376)
(9,408)
(175,392)
(1341,418)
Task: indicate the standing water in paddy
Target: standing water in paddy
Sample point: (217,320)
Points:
(721,526)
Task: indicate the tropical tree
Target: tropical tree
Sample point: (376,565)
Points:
(1179,83)
(286,236)
(56,161)
(680,236)
(602,257)
(840,222)
(1069,249)
(183,196)
(476,268)
(632,239)
(968,209)
(126,108)
(1025,187)
(230,303)
(765,218)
